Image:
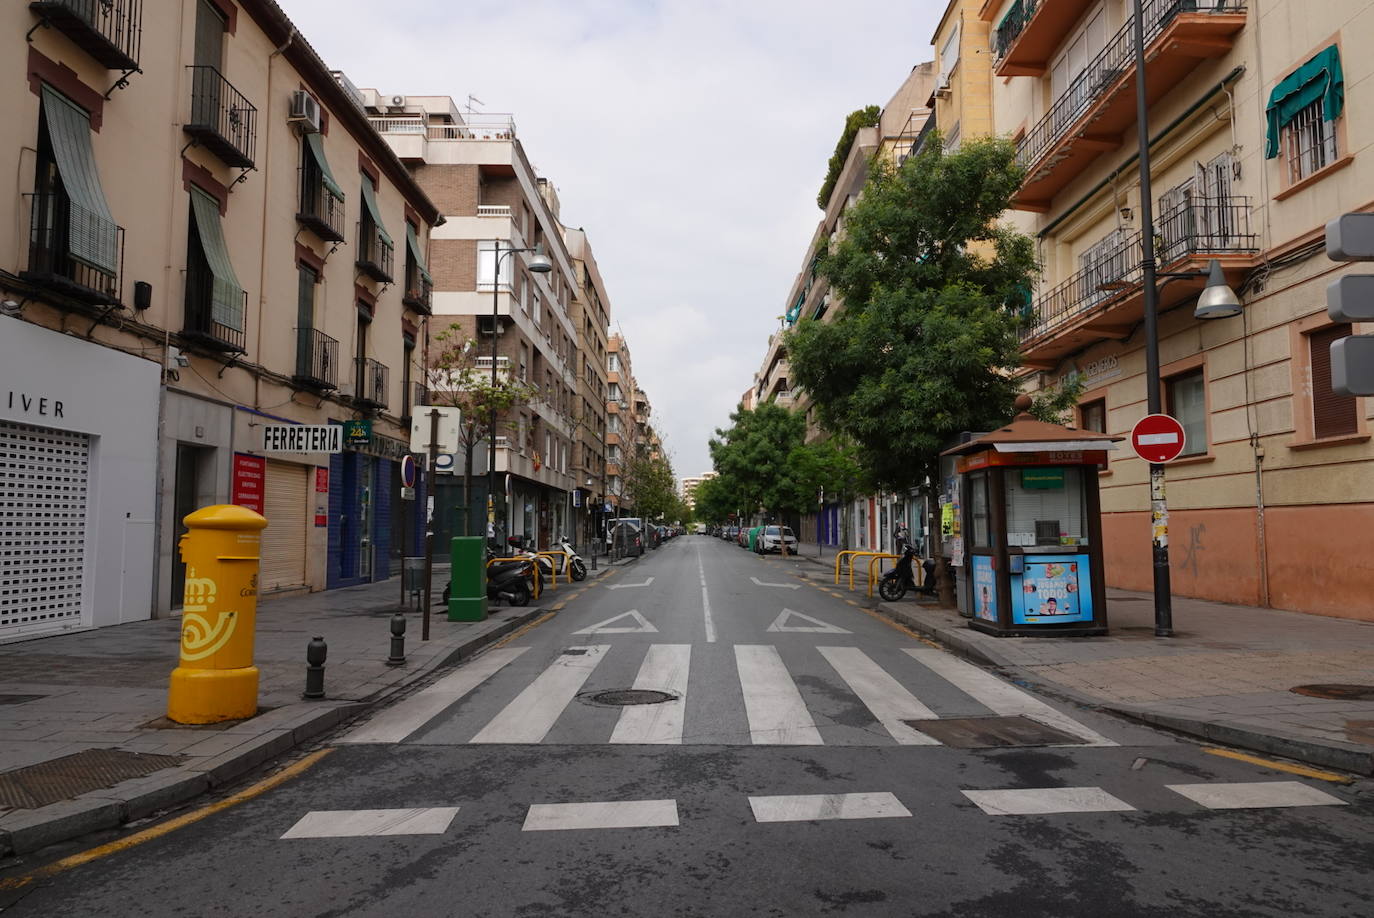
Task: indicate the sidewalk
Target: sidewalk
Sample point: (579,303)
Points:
(107,689)
(1227,676)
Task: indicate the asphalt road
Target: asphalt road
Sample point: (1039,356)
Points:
(805,764)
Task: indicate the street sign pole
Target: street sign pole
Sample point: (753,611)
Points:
(434,414)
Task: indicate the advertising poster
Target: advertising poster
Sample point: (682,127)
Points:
(984,588)
(1054,588)
(246,489)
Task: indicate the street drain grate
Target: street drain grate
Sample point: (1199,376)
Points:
(19,699)
(623,697)
(1336,691)
(73,775)
(987,732)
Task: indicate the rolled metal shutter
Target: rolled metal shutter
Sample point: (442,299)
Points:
(44,484)
(285,492)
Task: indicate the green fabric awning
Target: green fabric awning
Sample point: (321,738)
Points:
(226,295)
(92,236)
(1322,79)
(370,202)
(413,243)
(315,143)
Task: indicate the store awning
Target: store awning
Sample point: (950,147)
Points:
(226,297)
(92,236)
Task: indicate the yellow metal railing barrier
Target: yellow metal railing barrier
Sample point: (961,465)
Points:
(852,555)
(878,560)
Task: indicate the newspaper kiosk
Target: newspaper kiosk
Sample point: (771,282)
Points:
(1032,528)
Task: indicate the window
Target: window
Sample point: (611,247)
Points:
(408,394)
(1197,215)
(1093,416)
(524,363)
(215,301)
(305,320)
(615,392)
(1186,399)
(1102,265)
(487,266)
(1067,73)
(1309,142)
(322,200)
(210,29)
(1300,118)
(949,56)
(1332,415)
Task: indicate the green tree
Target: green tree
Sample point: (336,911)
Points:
(454,380)
(651,486)
(860,118)
(715,500)
(830,467)
(933,291)
(752,456)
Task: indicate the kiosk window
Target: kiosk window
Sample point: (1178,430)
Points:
(1045,506)
(979,510)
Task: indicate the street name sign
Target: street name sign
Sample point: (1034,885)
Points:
(302,438)
(1158,438)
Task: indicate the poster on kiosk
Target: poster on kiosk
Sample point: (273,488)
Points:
(1053,589)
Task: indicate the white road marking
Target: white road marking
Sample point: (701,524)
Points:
(620,814)
(883,695)
(641,625)
(398,722)
(1255,794)
(705,601)
(803,808)
(1001,697)
(368,823)
(534,711)
(777,715)
(1043,801)
(816,627)
(784,586)
(665,668)
(628,586)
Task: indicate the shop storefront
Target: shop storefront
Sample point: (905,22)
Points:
(78,482)
(366,514)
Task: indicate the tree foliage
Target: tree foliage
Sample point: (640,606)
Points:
(932,287)
(651,487)
(860,118)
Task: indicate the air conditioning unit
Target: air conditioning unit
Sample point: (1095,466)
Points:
(942,86)
(305,112)
(398,101)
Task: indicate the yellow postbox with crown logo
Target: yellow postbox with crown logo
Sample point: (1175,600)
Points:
(216,679)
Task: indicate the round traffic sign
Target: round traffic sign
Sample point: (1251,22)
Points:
(1158,438)
(407,471)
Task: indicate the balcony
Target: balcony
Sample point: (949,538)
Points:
(376,254)
(317,360)
(108,30)
(371,382)
(203,327)
(482,365)
(321,210)
(1106,299)
(419,393)
(222,119)
(1089,118)
(419,290)
(493,210)
(59,232)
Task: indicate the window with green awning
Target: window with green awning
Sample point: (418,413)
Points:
(226,294)
(1319,80)
(315,144)
(375,212)
(92,237)
(413,246)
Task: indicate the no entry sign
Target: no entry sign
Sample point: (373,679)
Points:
(1157,438)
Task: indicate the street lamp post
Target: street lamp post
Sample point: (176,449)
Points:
(539,263)
(1217,301)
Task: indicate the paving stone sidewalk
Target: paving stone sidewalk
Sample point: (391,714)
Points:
(107,689)
(1227,675)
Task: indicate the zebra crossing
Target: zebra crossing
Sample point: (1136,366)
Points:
(526,707)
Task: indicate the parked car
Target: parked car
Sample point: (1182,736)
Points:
(771,540)
(627,533)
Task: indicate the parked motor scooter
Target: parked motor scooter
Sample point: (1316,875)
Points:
(508,579)
(902,577)
(516,548)
(573,566)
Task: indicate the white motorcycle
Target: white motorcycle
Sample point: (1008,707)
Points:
(572,565)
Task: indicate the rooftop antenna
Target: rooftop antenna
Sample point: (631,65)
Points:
(472,99)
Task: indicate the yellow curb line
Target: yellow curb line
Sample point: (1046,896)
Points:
(1302,770)
(900,627)
(515,634)
(171,825)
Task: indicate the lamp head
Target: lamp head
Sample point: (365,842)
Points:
(539,263)
(1218,300)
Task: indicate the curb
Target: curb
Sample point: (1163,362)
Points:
(25,831)
(1340,756)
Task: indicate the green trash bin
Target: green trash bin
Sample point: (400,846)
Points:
(467,600)
(754,538)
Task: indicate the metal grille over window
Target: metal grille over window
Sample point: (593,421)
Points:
(44,484)
(1310,142)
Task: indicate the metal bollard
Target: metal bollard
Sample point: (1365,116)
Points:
(398,640)
(315,653)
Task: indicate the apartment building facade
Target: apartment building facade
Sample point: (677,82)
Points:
(621,430)
(497,211)
(591,311)
(1256,142)
(202,259)
(688,488)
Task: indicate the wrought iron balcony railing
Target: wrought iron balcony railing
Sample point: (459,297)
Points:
(108,30)
(1195,229)
(371,382)
(222,119)
(317,359)
(202,327)
(375,254)
(321,210)
(1012,25)
(59,231)
(419,289)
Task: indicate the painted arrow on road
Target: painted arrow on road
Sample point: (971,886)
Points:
(641,625)
(816,627)
(626,586)
(785,586)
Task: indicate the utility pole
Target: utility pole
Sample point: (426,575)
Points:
(434,414)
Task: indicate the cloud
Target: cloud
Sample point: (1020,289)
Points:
(687,138)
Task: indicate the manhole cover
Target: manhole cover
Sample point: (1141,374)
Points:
(985,732)
(73,775)
(1336,691)
(623,697)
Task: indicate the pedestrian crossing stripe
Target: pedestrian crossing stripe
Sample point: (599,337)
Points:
(783,624)
(641,625)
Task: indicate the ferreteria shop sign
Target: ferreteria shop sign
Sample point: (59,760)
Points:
(302,438)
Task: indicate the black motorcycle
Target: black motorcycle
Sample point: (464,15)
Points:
(507,578)
(902,577)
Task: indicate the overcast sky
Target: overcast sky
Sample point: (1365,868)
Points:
(687,138)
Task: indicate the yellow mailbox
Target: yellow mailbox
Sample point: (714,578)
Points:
(217,679)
